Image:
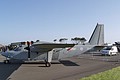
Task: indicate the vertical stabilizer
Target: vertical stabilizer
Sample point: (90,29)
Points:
(97,37)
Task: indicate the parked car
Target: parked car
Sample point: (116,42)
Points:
(109,50)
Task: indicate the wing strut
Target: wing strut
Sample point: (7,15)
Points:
(49,58)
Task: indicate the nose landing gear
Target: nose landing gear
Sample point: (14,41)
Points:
(6,61)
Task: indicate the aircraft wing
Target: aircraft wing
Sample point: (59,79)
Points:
(45,47)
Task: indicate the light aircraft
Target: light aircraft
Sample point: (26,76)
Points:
(55,51)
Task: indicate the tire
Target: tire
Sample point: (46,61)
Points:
(6,61)
(47,64)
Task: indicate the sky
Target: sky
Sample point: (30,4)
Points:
(46,20)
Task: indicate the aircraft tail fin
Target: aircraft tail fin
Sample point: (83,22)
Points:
(97,37)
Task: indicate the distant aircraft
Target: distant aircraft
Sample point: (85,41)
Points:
(55,51)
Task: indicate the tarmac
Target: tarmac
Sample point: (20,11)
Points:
(67,69)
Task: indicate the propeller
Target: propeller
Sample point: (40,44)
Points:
(28,48)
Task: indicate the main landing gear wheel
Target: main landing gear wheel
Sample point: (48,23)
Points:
(47,64)
(6,61)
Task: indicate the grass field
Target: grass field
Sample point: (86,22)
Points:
(113,74)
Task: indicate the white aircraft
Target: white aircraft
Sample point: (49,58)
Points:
(55,51)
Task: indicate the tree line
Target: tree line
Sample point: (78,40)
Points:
(75,40)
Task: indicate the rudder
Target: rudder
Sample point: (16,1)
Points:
(97,37)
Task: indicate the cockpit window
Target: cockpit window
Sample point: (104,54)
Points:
(18,49)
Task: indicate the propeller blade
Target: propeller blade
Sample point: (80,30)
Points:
(28,48)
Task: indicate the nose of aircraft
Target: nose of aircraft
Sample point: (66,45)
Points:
(3,54)
(6,54)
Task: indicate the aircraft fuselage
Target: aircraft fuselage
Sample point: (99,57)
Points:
(58,53)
